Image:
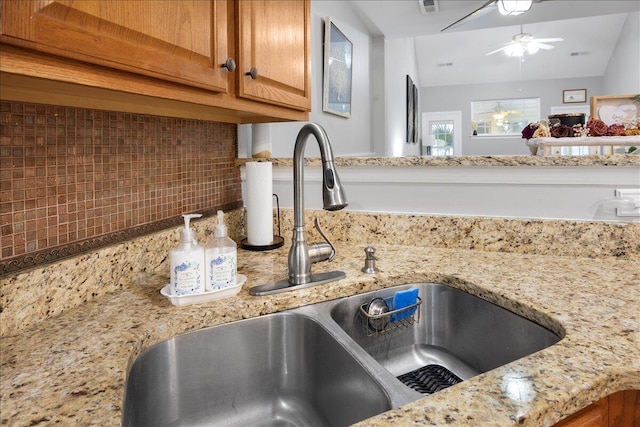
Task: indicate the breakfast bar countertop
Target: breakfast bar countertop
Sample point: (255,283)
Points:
(466,161)
(71,369)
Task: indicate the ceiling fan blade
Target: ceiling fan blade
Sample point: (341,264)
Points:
(551,40)
(543,46)
(475,14)
(497,50)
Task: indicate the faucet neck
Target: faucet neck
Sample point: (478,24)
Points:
(298,167)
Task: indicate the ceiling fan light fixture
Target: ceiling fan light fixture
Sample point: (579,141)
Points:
(519,49)
(516,49)
(514,7)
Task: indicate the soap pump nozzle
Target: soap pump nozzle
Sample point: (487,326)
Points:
(188,235)
(221,228)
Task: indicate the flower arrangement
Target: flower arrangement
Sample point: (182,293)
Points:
(594,128)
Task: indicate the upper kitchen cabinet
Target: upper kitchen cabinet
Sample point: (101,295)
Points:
(180,41)
(230,60)
(273,51)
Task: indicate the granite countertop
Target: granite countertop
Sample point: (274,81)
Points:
(71,368)
(455,161)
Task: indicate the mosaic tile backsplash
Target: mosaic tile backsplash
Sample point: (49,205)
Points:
(74,176)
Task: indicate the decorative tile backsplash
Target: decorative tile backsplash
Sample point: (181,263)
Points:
(72,179)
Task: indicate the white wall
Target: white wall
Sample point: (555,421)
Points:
(400,61)
(378,97)
(623,72)
(584,193)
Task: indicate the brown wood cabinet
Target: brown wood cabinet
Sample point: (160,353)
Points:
(167,50)
(181,41)
(272,41)
(621,409)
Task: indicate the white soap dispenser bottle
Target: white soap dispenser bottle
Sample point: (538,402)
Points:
(187,262)
(220,258)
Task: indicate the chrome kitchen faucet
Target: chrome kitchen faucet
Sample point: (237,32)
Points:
(302,254)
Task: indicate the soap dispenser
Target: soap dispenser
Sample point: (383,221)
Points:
(220,258)
(187,262)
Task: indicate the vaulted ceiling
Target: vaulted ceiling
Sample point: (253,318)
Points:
(590,30)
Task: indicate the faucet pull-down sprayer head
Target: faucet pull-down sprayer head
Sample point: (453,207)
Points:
(333,196)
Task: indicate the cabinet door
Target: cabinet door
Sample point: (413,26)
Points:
(620,409)
(594,415)
(624,409)
(274,40)
(180,41)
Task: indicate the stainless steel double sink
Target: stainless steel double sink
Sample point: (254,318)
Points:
(317,365)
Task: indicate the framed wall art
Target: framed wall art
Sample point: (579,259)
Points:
(416,115)
(574,96)
(412,95)
(338,65)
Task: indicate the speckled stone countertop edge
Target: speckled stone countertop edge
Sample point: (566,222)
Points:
(463,161)
(75,364)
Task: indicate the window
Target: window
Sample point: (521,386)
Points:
(441,137)
(441,133)
(503,116)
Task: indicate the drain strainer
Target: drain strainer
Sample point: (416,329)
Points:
(429,379)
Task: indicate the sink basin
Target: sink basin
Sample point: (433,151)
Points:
(457,331)
(281,369)
(319,365)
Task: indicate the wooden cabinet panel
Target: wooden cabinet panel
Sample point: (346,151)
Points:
(594,415)
(624,409)
(274,38)
(180,41)
(621,409)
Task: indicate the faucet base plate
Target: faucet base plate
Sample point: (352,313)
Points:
(285,286)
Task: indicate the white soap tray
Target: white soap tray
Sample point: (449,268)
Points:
(206,296)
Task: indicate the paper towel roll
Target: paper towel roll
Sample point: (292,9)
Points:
(259,203)
(261,140)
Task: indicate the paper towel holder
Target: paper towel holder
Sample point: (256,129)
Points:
(277,241)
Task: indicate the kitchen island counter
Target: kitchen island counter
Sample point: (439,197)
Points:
(615,160)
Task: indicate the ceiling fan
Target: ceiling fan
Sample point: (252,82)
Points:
(505,7)
(525,43)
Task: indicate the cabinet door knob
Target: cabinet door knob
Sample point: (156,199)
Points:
(253,73)
(229,64)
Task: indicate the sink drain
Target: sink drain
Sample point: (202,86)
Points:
(429,379)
